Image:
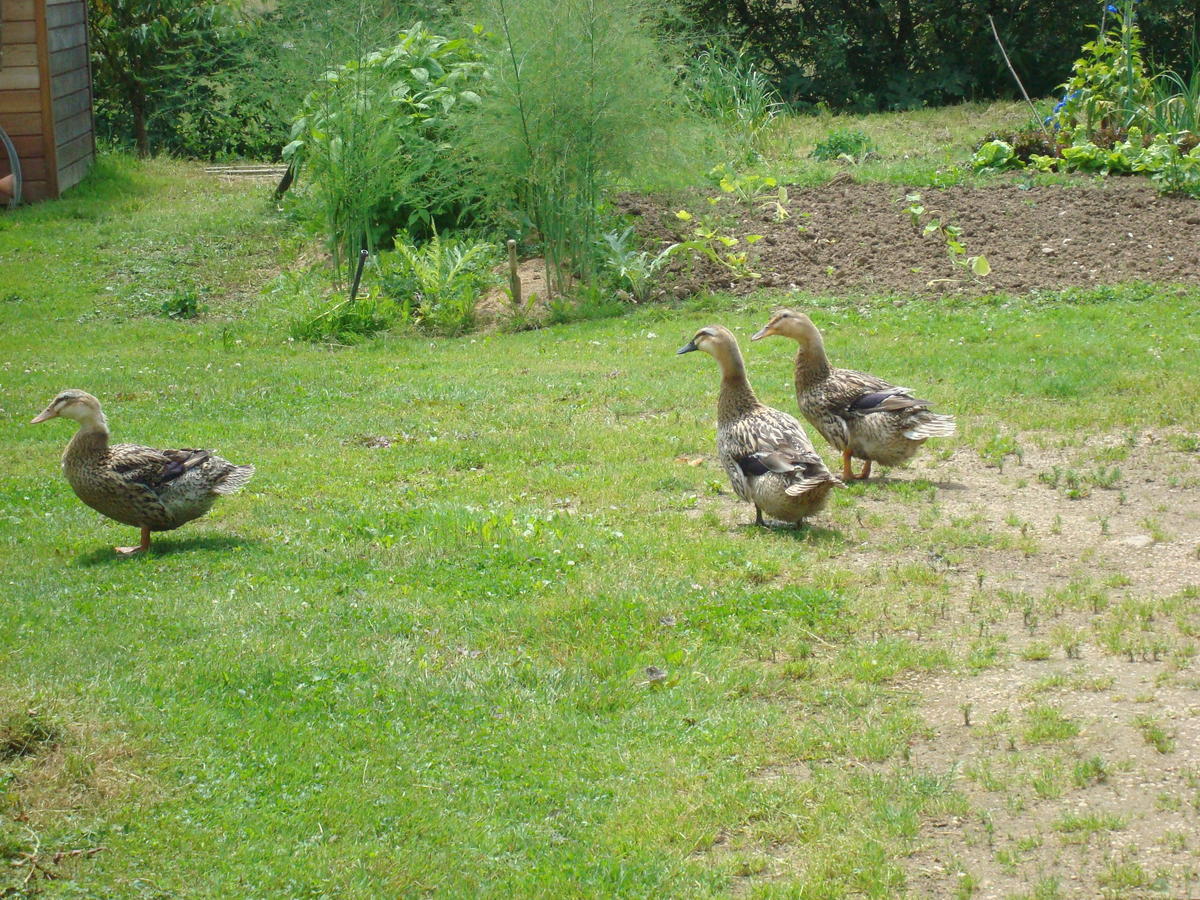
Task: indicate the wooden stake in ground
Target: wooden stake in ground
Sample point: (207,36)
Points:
(1017,77)
(514,277)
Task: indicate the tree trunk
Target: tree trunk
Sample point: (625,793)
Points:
(140,137)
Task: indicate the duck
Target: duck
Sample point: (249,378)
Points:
(765,452)
(154,490)
(864,417)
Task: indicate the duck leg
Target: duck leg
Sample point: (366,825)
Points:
(141,548)
(758,519)
(848,470)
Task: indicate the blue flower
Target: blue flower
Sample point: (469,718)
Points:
(1110,8)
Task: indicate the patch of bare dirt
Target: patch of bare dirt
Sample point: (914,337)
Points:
(1066,585)
(496,306)
(848,238)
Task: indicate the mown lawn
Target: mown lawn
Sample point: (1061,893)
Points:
(421,667)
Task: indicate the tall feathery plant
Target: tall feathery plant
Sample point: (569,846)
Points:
(348,145)
(579,102)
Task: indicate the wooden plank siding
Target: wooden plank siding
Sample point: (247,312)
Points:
(69,127)
(19,55)
(26,124)
(71,89)
(19,102)
(68,37)
(20,78)
(19,31)
(46,92)
(18,10)
(61,14)
(71,59)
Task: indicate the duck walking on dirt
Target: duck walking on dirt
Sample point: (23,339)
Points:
(765,452)
(154,490)
(862,416)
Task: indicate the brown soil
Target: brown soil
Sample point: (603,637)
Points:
(847,238)
(496,307)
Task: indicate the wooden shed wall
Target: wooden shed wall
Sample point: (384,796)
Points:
(22,112)
(70,89)
(45,92)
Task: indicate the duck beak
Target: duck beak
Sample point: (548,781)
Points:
(686,348)
(765,331)
(48,413)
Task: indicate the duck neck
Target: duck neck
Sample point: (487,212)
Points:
(737,397)
(812,366)
(92,437)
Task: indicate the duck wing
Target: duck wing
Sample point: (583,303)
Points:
(153,469)
(774,443)
(895,399)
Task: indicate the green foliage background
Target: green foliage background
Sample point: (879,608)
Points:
(232,93)
(900,54)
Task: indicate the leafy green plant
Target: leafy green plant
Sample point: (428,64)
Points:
(1115,118)
(994,156)
(1109,87)
(634,270)
(716,246)
(346,321)
(977,266)
(182,304)
(438,284)
(373,138)
(847,144)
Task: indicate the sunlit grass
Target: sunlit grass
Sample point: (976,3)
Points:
(413,656)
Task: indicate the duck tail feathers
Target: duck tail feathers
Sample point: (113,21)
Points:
(233,480)
(811,483)
(931,425)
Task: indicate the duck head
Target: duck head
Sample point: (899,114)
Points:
(73,404)
(789,323)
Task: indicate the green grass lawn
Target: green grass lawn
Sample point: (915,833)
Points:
(414,668)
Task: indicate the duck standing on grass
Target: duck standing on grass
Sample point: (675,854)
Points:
(862,416)
(154,490)
(768,457)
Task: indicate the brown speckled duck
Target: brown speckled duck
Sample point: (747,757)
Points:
(768,457)
(154,490)
(862,416)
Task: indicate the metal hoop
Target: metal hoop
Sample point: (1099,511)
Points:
(15,164)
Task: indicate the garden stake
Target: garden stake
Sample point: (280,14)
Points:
(1024,92)
(362,260)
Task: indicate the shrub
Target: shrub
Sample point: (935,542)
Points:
(895,54)
(579,102)
(373,138)
(844,143)
(437,285)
